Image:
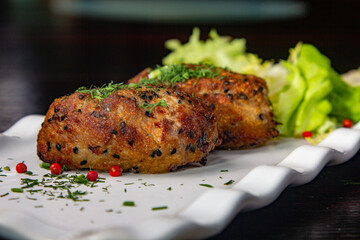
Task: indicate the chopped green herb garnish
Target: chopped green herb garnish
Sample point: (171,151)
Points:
(12,199)
(175,73)
(63,182)
(30,173)
(224,170)
(5,194)
(129,203)
(32,191)
(28,182)
(7,168)
(64,168)
(169,189)
(34,199)
(102,92)
(45,165)
(147,185)
(153,105)
(159,208)
(229,182)
(81,179)
(206,185)
(17,190)
(106,189)
(75,195)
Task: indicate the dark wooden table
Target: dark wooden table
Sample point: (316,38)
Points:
(44,56)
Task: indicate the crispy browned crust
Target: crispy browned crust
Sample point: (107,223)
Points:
(241,106)
(80,132)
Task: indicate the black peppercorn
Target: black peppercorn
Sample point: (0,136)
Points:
(58,147)
(75,150)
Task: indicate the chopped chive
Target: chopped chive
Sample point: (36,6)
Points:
(224,170)
(229,182)
(159,208)
(129,204)
(5,194)
(34,199)
(206,185)
(17,190)
(45,165)
(7,168)
(152,106)
(30,173)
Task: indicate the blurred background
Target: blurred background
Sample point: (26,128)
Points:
(49,48)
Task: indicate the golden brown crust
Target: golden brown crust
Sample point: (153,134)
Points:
(80,132)
(241,106)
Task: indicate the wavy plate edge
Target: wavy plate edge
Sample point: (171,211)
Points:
(260,187)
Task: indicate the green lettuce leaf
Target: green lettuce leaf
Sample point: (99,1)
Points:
(289,100)
(345,98)
(314,108)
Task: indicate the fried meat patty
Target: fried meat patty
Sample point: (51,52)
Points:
(240,102)
(140,130)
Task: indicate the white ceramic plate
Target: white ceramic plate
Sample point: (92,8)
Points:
(192,209)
